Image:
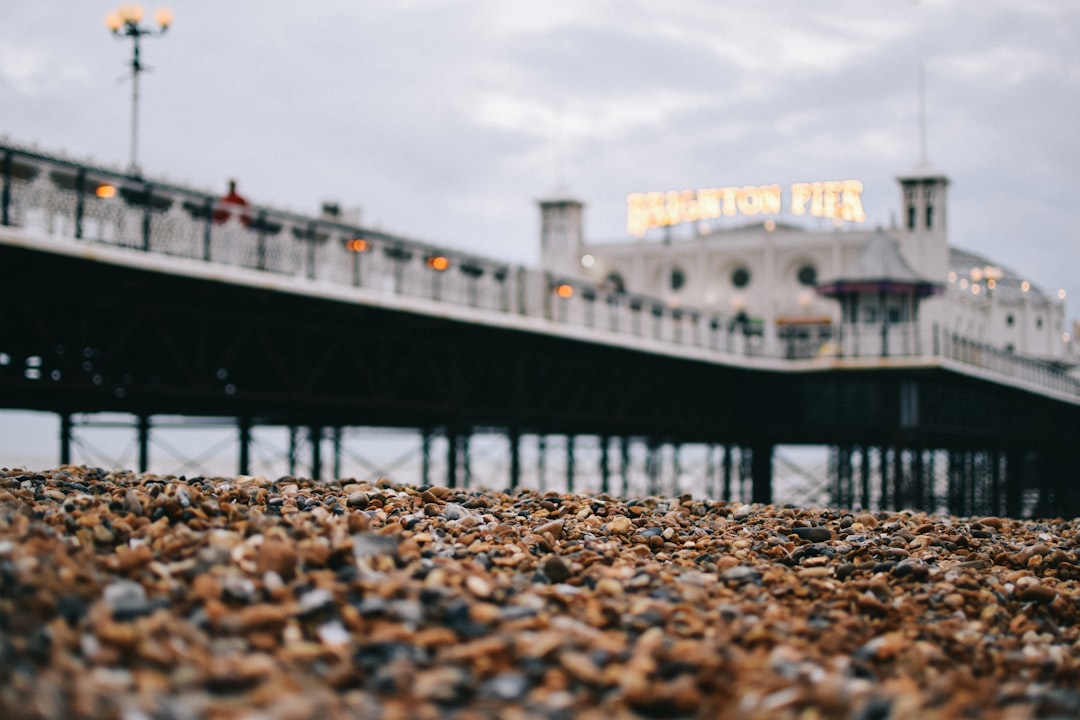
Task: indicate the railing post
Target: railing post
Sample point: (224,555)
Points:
(310,257)
(260,247)
(80,195)
(208,206)
(147,209)
(5,194)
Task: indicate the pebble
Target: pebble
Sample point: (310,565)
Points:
(813,534)
(142,596)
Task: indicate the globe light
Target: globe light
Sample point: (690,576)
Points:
(132,13)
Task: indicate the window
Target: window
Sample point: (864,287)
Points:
(615,282)
(740,278)
(911,217)
(677,279)
(807,275)
(1009,320)
(870,314)
(1038,323)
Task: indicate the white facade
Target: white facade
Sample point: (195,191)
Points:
(767,273)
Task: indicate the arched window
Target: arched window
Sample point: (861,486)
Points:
(740,278)
(615,282)
(677,279)
(807,275)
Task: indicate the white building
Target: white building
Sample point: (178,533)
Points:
(777,279)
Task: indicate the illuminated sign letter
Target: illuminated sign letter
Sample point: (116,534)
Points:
(800,196)
(851,208)
(637,214)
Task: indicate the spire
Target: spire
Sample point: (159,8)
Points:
(923,160)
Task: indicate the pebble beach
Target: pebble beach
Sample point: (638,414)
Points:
(145,596)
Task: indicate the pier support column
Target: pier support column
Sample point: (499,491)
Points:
(918,480)
(569,463)
(541,463)
(293,431)
(65,438)
(244,430)
(1014,482)
(144,443)
(514,437)
(315,437)
(727,472)
(464,453)
(652,468)
(761,457)
(451,458)
(624,465)
(676,469)
(337,435)
(605,469)
(425,456)
(995,482)
(883,471)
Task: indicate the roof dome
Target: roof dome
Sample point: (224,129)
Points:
(1008,285)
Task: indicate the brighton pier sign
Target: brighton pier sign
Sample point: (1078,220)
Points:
(840,200)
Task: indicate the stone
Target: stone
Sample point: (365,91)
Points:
(282,599)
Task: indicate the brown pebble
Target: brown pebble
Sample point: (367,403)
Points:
(277,556)
(554,528)
(556,569)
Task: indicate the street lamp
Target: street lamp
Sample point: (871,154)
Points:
(124,22)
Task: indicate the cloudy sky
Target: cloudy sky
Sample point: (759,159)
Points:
(446,119)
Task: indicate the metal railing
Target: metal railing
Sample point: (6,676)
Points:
(66,199)
(1031,371)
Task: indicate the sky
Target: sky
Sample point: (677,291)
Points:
(446,120)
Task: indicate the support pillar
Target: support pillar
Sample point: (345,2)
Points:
(541,463)
(883,471)
(864,477)
(244,429)
(293,431)
(624,466)
(918,481)
(995,482)
(569,463)
(652,468)
(337,452)
(315,436)
(515,458)
(425,456)
(676,469)
(761,458)
(466,464)
(451,458)
(605,469)
(144,443)
(956,482)
(727,472)
(901,489)
(710,471)
(1014,482)
(65,438)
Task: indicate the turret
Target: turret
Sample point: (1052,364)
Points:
(923,234)
(561,233)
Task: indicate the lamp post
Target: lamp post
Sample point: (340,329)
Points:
(124,22)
